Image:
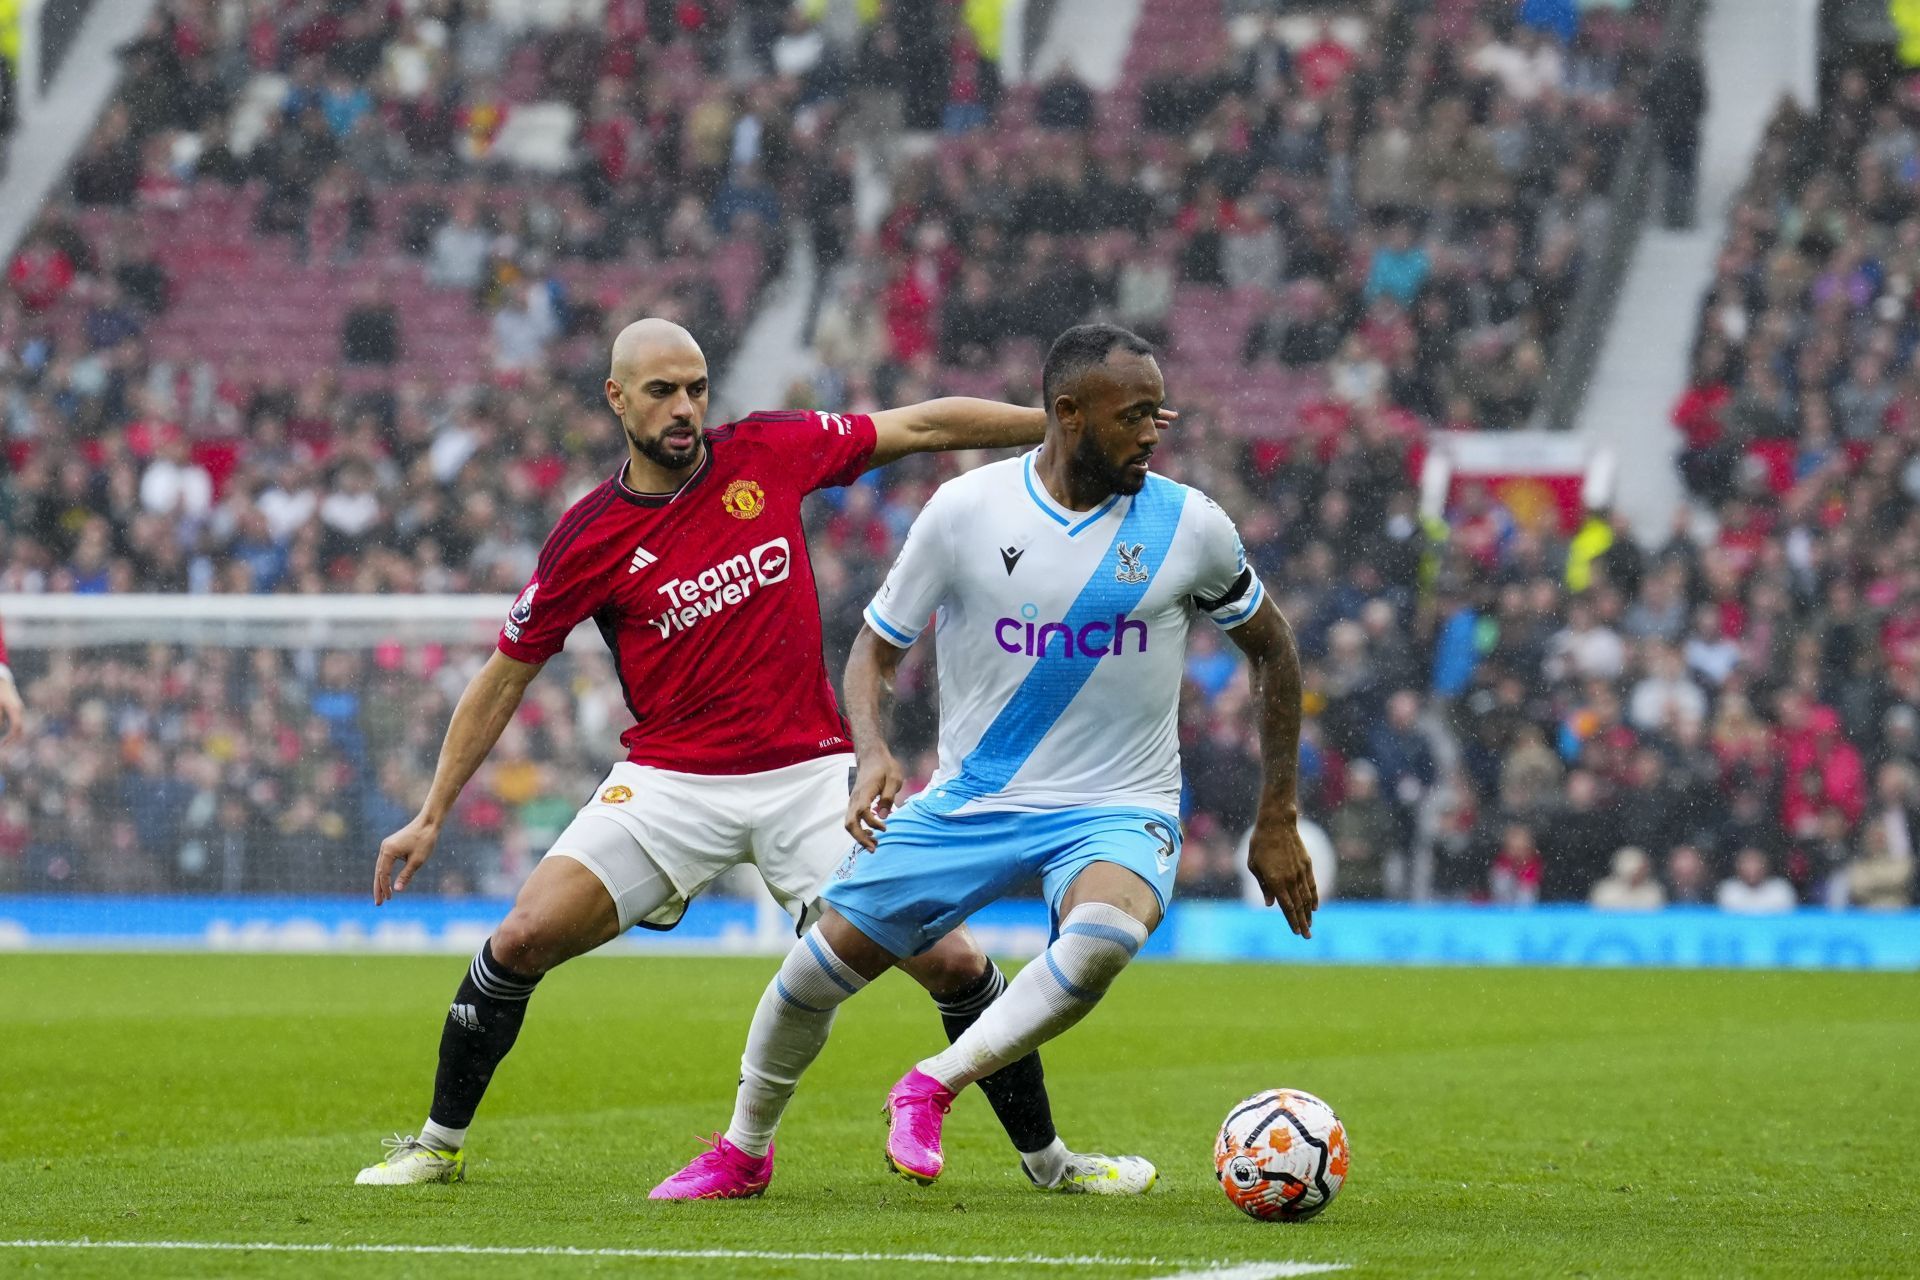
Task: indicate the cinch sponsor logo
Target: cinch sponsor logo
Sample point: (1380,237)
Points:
(1095,639)
(722,586)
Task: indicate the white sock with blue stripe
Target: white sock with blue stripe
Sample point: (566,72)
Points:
(789,1030)
(1057,990)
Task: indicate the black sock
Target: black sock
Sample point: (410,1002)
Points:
(1018,1091)
(482,1025)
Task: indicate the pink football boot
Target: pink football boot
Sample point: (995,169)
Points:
(915,1109)
(723,1173)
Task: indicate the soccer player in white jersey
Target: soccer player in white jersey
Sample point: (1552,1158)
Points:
(1061,585)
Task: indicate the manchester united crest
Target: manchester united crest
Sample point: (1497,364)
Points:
(744,500)
(616,795)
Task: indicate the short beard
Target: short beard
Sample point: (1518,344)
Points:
(657,452)
(1096,470)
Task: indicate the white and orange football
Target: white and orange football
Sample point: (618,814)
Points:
(1281,1155)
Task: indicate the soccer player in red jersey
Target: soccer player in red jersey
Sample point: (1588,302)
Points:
(692,562)
(13,713)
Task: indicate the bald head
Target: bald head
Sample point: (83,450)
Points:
(650,342)
(657,385)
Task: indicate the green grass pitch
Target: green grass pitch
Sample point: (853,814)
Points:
(1504,1123)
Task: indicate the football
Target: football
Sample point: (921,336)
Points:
(1281,1155)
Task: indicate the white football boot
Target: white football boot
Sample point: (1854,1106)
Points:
(1096,1175)
(410,1160)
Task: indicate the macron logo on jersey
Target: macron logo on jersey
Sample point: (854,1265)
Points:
(641,559)
(722,586)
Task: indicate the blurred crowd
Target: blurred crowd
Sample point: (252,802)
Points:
(1395,211)
(1801,434)
(377,142)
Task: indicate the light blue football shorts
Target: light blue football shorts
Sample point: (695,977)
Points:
(933,870)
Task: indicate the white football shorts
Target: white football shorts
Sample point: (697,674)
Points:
(644,822)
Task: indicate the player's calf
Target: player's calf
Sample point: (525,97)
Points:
(1096,941)
(563,911)
(481,1025)
(1050,995)
(1017,1092)
(789,1029)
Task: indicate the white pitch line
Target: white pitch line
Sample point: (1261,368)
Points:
(1257,1271)
(1219,1270)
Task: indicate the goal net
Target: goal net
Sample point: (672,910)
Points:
(255,750)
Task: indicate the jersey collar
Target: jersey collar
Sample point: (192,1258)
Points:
(1073,522)
(639,499)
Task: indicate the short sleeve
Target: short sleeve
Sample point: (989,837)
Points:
(919,579)
(562,594)
(823,449)
(1225,587)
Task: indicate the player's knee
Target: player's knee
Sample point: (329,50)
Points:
(1096,942)
(856,950)
(1113,885)
(527,943)
(955,963)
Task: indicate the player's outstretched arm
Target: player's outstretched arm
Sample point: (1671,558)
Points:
(486,706)
(1276,857)
(953,422)
(959,422)
(878,777)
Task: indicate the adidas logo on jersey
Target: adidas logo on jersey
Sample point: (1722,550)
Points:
(641,559)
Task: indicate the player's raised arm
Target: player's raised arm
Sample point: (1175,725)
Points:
(1276,857)
(869,705)
(959,422)
(488,703)
(953,422)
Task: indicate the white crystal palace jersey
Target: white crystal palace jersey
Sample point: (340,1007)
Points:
(1061,635)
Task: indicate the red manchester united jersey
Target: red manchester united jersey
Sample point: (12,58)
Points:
(706,597)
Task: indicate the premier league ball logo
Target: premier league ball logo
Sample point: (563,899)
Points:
(523,607)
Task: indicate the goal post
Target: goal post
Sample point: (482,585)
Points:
(54,622)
